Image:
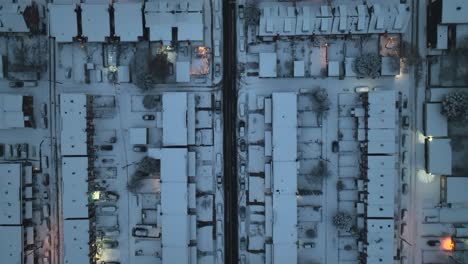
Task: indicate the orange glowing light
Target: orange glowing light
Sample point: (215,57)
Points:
(447,244)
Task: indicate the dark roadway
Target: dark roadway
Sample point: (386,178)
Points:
(229,137)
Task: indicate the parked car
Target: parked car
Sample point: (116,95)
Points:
(361,89)
(433,243)
(335,146)
(242,145)
(140,148)
(404,188)
(106,147)
(308,245)
(140,232)
(108,209)
(242,109)
(113,232)
(217,69)
(405,122)
(404,212)
(148,117)
(219,180)
(404,174)
(107,161)
(241,11)
(20,84)
(109,244)
(112,139)
(241,128)
(45,179)
(110,195)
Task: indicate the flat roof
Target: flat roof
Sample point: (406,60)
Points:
(63,23)
(138,135)
(442,37)
(435,123)
(10,188)
(128,21)
(76,239)
(11,244)
(182,71)
(11,18)
(381,192)
(75,187)
(284,137)
(333,68)
(454,12)
(456,190)
(267,64)
(299,69)
(11,111)
(381,241)
(95,22)
(174,119)
(439,160)
(73,113)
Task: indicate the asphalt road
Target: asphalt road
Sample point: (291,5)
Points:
(229,137)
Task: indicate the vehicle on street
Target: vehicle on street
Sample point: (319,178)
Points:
(106,161)
(148,117)
(140,148)
(146,231)
(242,109)
(106,147)
(308,245)
(217,69)
(241,128)
(362,89)
(242,145)
(405,122)
(45,179)
(219,180)
(404,188)
(241,11)
(43,109)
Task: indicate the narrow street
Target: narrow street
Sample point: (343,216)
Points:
(230,150)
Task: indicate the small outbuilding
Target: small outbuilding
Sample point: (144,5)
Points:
(268,65)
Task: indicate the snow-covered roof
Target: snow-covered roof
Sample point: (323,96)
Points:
(174,119)
(442,37)
(456,190)
(256,189)
(11,111)
(11,244)
(95,22)
(284,177)
(76,239)
(435,123)
(128,21)
(381,241)
(439,159)
(307,18)
(10,189)
(454,12)
(182,71)
(187,17)
(381,192)
(333,68)
(299,69)
(174,203)
(73,136)
(75,187)
(63,23)
(11,18)
(138,136)
(267,64)
(388,68)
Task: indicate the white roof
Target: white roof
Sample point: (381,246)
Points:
(284,126)
(10,189)
(128,21)
(174,119)
(284,177)
(182,71)
(381,162)
(381,192)
(138,136)
(456,190)
(439,160)
(174,203)
(95,22)
(63,22)
(442,37)
(76,239)
(435,123)
(454,12)
(11,244)
(256,189)
(189,26)
(380,239)
(73,113)
(268,64)
(11,18)
(333,68)
(387,67)
(299,69)
(75,187)
(11,111)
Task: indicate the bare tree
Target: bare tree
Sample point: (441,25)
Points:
(321,169)
(455,106)
(159,67)
(150,101)
(343,221)
(367,65)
